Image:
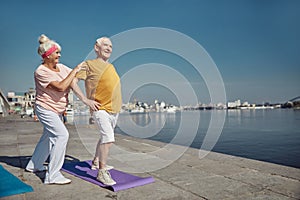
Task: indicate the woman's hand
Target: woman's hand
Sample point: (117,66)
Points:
(81,66)
(65,83)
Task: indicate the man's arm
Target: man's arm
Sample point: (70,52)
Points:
(91,103)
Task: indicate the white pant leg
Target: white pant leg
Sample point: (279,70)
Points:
(41,152)
(58,136)
(106,123)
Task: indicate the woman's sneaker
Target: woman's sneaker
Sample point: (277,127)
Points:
(105,177)
(44,168)
(60,181)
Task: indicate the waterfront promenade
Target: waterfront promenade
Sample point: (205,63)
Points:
(217,176)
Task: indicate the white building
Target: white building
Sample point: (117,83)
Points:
(234,104)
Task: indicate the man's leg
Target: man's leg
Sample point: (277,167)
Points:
(104,150)
(95,162)
(101,156)
(106,129)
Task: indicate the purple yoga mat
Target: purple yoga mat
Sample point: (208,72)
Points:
(123,180)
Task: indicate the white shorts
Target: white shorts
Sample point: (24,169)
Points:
(106,123)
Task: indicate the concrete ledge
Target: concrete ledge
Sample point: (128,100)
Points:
(216,176)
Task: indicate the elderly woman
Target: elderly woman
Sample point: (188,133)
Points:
(53,81)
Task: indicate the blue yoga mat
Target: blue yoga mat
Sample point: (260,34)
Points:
(11,185)
(123,180)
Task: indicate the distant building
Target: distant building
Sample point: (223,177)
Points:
(234,105)
(71,98)
(21,102)
(29,98)
(4,105)
(16,101)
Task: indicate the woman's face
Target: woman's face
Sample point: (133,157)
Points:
(54,57)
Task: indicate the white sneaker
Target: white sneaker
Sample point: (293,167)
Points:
(95,165)
(44,168)
(60,181)
(105,178)
(108,167)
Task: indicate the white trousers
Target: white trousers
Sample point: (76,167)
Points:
(53,142)
(106,123)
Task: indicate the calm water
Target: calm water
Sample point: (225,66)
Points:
(267,135)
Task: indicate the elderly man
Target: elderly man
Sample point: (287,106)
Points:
(102,84)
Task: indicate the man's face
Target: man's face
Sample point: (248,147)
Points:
(104,49)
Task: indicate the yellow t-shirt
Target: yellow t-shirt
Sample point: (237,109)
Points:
(102,84)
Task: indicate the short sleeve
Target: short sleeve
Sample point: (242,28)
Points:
(42,77)
(82,74)
(67,69)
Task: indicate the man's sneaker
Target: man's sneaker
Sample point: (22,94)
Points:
(95,165)
(109,167)
(44,168)
(105,178)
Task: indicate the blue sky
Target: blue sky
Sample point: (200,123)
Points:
(255,44)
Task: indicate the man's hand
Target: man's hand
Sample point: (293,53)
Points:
(94,105)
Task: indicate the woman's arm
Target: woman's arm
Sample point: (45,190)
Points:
(61,86)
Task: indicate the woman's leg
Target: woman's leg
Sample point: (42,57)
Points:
(42,149)
(58,138)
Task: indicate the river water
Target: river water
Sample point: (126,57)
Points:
(271,135)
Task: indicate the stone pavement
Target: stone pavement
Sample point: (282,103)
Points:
(216,176)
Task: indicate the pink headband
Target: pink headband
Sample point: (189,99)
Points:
(49,52)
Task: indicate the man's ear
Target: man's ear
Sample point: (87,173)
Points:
(96,48)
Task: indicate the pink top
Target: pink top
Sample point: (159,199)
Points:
(51,99)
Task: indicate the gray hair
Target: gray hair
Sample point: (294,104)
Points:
(100,40)
(46,44)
